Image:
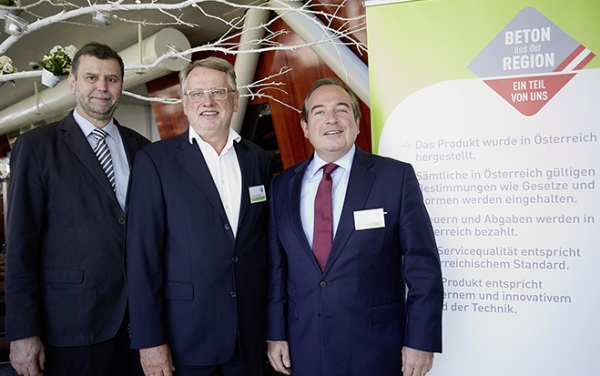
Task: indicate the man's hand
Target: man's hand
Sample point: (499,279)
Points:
(416,362)
(279,356)
(157,361)
(27,356)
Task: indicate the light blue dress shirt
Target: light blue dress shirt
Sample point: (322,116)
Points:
(117,153)
(310,184)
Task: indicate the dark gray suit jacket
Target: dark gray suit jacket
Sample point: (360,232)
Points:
(65,278)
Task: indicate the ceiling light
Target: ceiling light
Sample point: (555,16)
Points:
(14,25)
(101,19)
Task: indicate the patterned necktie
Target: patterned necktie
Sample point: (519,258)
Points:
(323,231)
(103,155)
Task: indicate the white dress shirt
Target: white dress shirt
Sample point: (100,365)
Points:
(310,184)
(226,173)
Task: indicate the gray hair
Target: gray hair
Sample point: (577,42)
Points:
(212,62)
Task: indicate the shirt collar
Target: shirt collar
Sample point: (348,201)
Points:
(344,162)
(87,127)
(232,137)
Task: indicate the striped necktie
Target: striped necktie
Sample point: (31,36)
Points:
(103,155)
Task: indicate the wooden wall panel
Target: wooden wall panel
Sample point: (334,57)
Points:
(170,119)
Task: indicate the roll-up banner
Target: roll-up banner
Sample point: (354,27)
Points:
(497,106)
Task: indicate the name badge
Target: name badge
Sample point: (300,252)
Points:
(371,218)
(257,194)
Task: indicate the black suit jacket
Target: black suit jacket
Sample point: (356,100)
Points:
(192,284)
(65,277)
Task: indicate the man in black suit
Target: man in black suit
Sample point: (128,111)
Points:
(65,283)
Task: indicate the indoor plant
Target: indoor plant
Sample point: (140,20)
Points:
(6,67)
(58,62)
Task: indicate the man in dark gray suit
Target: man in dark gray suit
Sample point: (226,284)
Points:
(65,283)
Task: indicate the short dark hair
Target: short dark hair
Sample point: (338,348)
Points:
(99,51)
(211,62)
(334,82)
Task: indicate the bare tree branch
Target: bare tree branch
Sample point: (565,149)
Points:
(227,43)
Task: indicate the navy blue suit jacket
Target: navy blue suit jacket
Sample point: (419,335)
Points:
(65,278)
(192,284)
(354,317)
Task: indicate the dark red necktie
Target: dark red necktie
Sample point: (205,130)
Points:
(323,232)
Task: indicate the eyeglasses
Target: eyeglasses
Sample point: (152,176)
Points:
(216,93)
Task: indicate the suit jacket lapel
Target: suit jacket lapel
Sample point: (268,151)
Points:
(76,141)
(247,166)
(294,190)
(128,143)
(359,185)
(193,163)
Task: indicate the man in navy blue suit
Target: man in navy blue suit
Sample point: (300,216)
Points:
(372,305)
(196,239)
(66,298)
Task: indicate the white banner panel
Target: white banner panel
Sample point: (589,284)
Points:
(496,104)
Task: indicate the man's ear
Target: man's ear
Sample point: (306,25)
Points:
(304,126)
(72,83)
(236,100)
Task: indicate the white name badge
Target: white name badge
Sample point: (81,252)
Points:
(366,219)
(257,194)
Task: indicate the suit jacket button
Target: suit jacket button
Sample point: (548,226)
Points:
(232,294)
(323,284)
(121,221)
(235,259)
(227,226)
